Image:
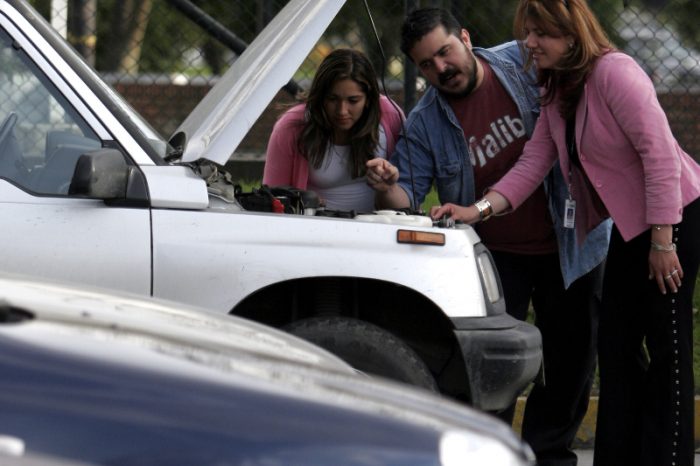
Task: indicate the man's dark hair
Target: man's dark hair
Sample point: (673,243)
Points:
(420,22)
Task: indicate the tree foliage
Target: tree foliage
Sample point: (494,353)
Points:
(173,43)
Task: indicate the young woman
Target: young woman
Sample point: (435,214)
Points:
(323,144)
(602,120)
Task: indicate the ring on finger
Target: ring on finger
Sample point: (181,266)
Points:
(666,277)
(675,271)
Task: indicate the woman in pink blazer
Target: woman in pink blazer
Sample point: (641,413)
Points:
(323,144)
(602,121)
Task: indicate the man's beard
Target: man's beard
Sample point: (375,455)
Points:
(471,82)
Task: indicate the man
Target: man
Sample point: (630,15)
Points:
(465,133)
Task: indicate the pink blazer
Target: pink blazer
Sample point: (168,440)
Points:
(625,146)
(285,165)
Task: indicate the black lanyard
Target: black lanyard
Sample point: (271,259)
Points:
(571,142)
(570,203)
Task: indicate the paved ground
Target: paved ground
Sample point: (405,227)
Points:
(585,458)
(586,434)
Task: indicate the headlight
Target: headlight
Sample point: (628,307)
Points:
(489,276)
(471,449)
(11,446)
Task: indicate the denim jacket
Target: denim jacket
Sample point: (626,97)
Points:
(433,148)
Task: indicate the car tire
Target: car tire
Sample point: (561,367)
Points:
(367,348)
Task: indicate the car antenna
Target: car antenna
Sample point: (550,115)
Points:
(416,209)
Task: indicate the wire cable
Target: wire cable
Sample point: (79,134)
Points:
(416,207)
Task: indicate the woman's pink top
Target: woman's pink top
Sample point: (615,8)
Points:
(625,146)
(286,166)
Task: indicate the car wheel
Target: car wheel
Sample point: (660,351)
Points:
(367,348)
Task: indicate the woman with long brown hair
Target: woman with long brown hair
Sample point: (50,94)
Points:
(602,120)
(323,144)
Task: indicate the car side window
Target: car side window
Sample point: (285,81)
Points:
(41,135)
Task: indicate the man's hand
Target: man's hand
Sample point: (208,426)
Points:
(381,174)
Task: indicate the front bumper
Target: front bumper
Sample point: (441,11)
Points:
(502,356)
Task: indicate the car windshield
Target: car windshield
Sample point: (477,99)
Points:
(127,115)
(154,139)
(137,126)
(41,133)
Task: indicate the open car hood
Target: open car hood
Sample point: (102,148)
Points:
(222,119)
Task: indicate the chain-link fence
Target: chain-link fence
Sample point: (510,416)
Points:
(164,55)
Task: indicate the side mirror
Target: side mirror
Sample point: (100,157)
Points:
(104,174)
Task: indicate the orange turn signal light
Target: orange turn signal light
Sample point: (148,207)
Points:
(420,237)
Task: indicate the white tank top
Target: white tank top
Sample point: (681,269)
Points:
(333,184)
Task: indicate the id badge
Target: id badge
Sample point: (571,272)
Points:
(569,213)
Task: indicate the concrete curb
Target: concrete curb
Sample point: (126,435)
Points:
(586,433)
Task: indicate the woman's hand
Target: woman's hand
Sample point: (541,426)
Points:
(469,214)
(664,265)
(381,174)
(493,203)
(666,269)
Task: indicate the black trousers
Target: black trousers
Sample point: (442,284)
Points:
(568,321)
(645,413)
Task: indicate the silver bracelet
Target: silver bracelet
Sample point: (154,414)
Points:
(484,207)
(661,248)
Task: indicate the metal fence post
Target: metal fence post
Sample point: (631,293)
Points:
(409,70)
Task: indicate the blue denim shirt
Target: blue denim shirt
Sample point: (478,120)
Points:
(433,149)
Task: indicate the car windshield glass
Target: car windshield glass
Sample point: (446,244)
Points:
(137,126)
(154,139)
(41,134)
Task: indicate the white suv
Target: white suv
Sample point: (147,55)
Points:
(91,194)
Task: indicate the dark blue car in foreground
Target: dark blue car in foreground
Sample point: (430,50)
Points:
(100,379)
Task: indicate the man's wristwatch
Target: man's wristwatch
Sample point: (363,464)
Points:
(484,208)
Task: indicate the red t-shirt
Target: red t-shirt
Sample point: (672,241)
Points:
(495,135)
